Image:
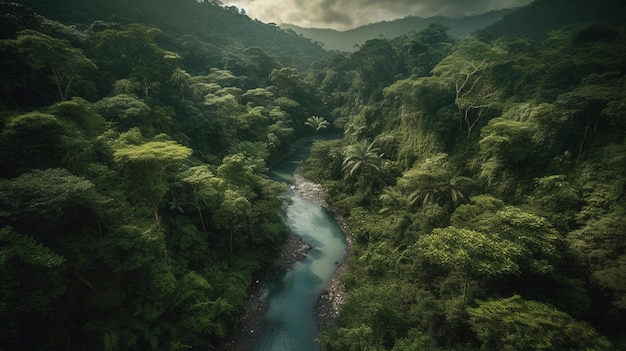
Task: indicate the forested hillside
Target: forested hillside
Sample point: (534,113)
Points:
(349,40)
(484,183)
(483,180)
(134,200)
(218,28)
(538,18)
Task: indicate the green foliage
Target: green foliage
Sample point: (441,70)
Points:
(536,239)
(550,145)
(125,111)
(35,297)
(82,114)
(361,156)
(557,199)
(479,254)
(324,161)
(55,59)
(145,165)
(84,176)
(130,50)
(30,139)
(317,123)
(160,153)
(469,68)
(598,245)
(28,250)
(519,144)
(435,181)
(179,120)
(51,195)
(41,140)
(517,324)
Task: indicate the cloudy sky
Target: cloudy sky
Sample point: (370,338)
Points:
(346,14)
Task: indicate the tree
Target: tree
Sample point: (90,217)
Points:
(473,254)
(317,123)
(472,98)
(126,111)
(145,165)
(34,140)
(374,71)
(56,57)
(198,316)
(468,68)
(435,181)
(360,157)
(517,324)
(80,113)
(54,196)
(204,189)
(585,105)
(427,48)
(286,79)
(181,81)
(510,147)
(599,246)
(124,86)
(132,50)
(236,170)
(535,238)
(30,285)
(233,213)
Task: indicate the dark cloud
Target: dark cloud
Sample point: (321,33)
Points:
(345,14)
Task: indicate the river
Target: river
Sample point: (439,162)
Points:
(290,322)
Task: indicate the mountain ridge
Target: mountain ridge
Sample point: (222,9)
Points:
(536,20)
(346,40)
(224,27)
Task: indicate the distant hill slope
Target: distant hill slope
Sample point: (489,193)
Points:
(346,40)
(535,20)
(222,26)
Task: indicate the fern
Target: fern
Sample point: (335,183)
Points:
(29,250)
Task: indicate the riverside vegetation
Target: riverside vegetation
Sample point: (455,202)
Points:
(483,179)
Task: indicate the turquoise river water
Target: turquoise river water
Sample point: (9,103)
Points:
(290,323)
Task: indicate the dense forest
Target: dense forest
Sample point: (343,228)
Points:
(350,40)
(134,201)
(483,179)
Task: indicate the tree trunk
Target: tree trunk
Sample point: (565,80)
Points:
(230,240)
(251,237)
(157,218)
(201,219)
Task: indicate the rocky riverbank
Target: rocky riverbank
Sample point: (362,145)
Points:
(250,323)
(332,296)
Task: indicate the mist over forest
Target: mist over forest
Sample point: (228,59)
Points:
(483,177)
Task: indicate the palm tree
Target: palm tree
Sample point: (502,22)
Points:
(180,79)
(317,123)
(393,200)
(440,188)
(435,181)
(360,157)
(124,86)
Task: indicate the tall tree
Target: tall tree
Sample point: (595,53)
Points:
(436,181)
(232,215)
(180,79)
(145,165)
(361,157)
(56,58)
(317,123)
(517,324)
(204,190)
(469,70)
